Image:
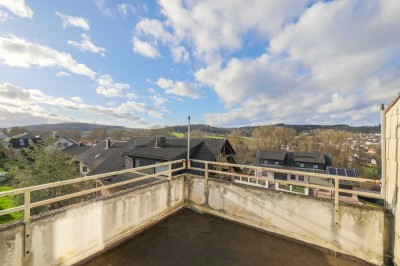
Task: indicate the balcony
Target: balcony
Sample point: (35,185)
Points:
(81,231)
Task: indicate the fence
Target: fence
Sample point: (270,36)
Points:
(212,167)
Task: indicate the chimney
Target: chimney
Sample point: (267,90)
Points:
(108,143)
(161,141)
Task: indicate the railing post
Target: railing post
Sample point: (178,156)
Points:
(170,171)
(206,170)
(27,225)
(336,201)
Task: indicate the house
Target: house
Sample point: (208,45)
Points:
(21,141)
(144,151)
(63,143)
(309,160)
(300,161)
(70,146)
(97,154)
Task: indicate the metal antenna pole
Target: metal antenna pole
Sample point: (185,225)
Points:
(188,146)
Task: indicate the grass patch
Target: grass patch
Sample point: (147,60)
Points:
(177,135)
(6,203)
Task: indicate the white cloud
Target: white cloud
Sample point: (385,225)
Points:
(144,48)
(154,31)
(156,114)
(131,96)
(180,54)
(102,6)
(3,16)
(215,26)
(18,52)
(328,69)
(18,8)
(32,105)
(107,87)
(70,21)
(128,9)
(180,88)
(86,44)
(62,74)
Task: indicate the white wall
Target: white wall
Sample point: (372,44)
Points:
(360,232)
(392,145)
(68,236)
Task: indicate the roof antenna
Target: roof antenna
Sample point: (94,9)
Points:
(188,146)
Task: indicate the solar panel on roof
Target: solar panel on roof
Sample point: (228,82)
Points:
(351,173)
(341,171)
(332,171)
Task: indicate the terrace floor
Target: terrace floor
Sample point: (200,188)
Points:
(190,238)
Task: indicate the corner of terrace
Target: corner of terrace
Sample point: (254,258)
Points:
(77,232)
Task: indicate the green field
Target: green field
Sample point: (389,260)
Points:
(6,203)
(177,135)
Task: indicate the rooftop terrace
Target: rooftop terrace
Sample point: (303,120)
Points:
(190,238)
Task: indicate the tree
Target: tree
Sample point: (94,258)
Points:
(43,165)
(98,134)
(16,131)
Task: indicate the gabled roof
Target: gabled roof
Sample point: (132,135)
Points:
(71,140)
(207,149)
(309,157)
(99,153)
(76,149)
(269,155)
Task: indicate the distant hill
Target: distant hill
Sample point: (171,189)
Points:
(246,131)
(68,126)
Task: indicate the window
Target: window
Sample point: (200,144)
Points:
(264,161)
(21,142)
(293,177)
(84,169)
(301,178)
(65,144)
(160,169)
(30,141)
(301,164)
(136,163)
(276,163)
(315,166)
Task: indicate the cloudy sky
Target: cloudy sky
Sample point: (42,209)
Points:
(225,63)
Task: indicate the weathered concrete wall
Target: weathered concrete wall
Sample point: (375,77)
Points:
(79,231)
(392,145)
(360,232)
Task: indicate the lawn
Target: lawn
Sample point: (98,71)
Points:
(177,135)
(6,203)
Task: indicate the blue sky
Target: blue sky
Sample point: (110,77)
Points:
(225,63)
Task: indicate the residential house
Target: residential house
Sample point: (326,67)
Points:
(145,151)
(21,141)
(300,161)
(97,154)
(70,146)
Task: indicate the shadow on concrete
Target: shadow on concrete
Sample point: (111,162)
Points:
(190,238)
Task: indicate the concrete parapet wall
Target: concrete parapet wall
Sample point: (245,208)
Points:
(77,232)
(360,232)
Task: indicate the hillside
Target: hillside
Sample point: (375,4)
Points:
(67,126)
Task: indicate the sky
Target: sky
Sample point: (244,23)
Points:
(228,63)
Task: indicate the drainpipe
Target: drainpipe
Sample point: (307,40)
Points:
(188,145)
(383,155)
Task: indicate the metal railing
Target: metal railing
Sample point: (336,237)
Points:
(28,205)
(210,167)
